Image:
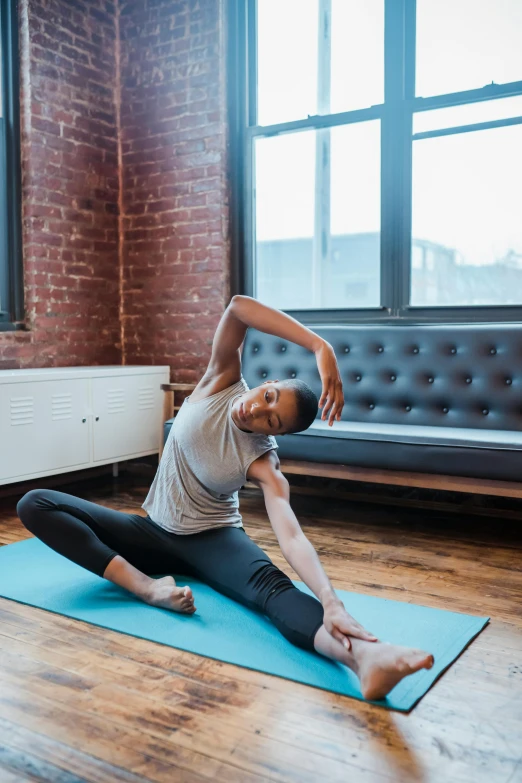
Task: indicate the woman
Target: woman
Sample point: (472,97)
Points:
(222,436)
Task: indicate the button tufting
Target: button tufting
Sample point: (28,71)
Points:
(415,350)
(485,411)
(430,379)
(283,348)
(293,374)
(445,410)
(371,406)
(264,374)
(380,349)
(468,380)
(393,377)
(453,350)
(347,349)
(407,408)
(256,348)
(492,351)
(508,381)
(358,377)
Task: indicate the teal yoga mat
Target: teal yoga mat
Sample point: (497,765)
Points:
(33,574)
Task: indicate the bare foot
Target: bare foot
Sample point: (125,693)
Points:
(384,665)
(165,594)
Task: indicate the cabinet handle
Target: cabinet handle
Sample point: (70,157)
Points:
(83,421)
(97,418)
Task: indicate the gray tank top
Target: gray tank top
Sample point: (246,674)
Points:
(204,464)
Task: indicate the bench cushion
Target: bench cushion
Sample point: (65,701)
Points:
(437,398)
(491,454)
(462,437)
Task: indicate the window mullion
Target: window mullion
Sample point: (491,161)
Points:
(10,162)
(396,153)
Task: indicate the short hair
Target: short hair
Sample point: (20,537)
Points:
(307,405)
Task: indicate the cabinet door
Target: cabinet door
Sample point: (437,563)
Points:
(127,412)
(42,427)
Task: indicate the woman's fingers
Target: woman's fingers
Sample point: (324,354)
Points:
(324,396)
(345,641)
(333,402)
(362,633)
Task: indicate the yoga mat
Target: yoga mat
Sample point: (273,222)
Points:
(32,573)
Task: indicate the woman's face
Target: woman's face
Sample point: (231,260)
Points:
(269,409)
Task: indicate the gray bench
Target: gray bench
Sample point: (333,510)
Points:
(426,405)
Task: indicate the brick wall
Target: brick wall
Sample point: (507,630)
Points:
(69,186)
(149,287)
(173,131)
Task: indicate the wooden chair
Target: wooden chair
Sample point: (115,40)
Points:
(169,403)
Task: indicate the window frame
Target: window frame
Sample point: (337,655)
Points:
(396,116)
(11,271)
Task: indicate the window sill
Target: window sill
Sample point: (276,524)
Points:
(6,326)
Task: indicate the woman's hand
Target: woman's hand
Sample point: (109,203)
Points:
(341,625)
(332,394)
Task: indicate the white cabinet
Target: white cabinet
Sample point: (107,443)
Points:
(41,427)
(61,419)
(126,415)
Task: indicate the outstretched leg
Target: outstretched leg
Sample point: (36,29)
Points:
(379,666)
(232,563)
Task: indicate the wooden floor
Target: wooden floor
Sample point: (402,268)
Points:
(78,703)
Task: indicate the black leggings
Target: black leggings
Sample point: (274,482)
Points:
(225,558)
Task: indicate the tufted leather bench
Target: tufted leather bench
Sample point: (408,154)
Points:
(432,399)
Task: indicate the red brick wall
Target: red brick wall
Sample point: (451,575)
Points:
(69,187)
(152,292)
(173,130)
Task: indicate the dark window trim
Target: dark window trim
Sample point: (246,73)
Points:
(396,116)
(477,95)
(11,263)
(413,315)
(477,126)
(316,122)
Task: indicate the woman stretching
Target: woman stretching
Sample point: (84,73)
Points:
(222,436)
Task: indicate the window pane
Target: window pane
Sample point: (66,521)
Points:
(346,269)
(357,54)
(467,114)
(288,62)
(466,44)
(467,231)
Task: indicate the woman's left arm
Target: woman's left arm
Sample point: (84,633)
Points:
(299,552)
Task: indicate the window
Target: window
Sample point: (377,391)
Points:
(11,304)
(376,157)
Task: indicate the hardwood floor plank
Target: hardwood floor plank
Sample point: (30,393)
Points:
(101,738)
(26,766)
(86,767)
(8,776)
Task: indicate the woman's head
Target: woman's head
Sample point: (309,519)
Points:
(276,408)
